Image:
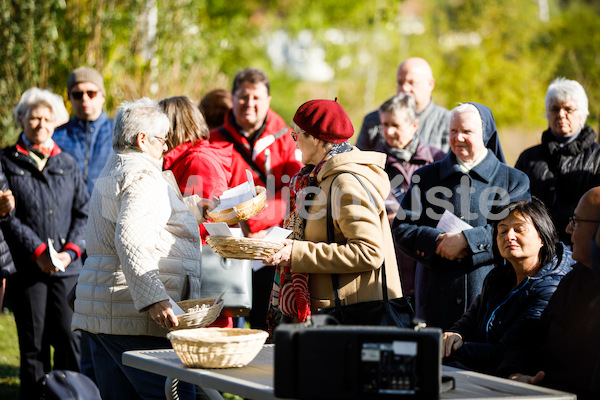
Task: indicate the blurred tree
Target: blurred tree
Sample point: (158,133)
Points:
(575,40)
(30,50)
(492,55)
(496,52)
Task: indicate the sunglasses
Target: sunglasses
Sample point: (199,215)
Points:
(79,95)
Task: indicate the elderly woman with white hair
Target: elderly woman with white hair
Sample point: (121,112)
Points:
(470,184)
(567,162)
(143,248)
(51,213)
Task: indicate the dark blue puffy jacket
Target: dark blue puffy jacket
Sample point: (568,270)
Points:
(50,204)
(495,327)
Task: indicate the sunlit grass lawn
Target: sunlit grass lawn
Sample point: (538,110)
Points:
(9,359)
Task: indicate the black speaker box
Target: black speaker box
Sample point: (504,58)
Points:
(357,362)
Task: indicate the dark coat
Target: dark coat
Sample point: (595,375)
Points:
(570,336)
(400,173)
(496,325)
(559,176)
(7,266)
(444,289)
(52,203)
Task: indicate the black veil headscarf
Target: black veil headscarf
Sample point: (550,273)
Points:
(490,132)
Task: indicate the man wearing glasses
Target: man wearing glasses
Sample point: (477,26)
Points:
(263,145)
(88,135)
(88,138)
(569,332)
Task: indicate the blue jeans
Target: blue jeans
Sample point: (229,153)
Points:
(117,381)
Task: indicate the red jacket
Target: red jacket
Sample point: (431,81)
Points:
(204,169)
(277,145)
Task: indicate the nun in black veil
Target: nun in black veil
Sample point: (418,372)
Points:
(471,184)
(490,132)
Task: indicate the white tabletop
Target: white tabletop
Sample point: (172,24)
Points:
(255,381)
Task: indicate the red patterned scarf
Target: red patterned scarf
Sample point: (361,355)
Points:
(290,296)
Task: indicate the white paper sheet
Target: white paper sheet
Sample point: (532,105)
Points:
(277,234)
(54,257)
(217,229)
(237,195)
(222,229)
(450,223)
(251,183)
(236,232)
(176,309)
(220,296)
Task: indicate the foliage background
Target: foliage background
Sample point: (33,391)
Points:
(497,52)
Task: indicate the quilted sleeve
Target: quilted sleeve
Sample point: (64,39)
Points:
(144,212)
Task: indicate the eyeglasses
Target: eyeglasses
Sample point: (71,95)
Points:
(574,220)
(568,110)
(295,134)
(161,140)
(79,95)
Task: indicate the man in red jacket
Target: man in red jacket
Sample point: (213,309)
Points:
(264,146)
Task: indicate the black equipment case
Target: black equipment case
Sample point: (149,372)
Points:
(357,362)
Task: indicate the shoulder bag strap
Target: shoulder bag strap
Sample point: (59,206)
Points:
(330,239)
(242,151)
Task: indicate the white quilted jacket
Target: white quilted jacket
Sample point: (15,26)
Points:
(143,246)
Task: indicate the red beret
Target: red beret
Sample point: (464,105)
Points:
(325,120)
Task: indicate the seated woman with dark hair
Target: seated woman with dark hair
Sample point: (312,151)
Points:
(491,336)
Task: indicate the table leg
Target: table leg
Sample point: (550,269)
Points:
(171,388)
(201,393)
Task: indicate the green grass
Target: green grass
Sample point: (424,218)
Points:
(9,357)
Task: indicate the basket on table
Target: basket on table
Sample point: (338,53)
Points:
(243,211)
(217,347)
(201,317)
(243,248)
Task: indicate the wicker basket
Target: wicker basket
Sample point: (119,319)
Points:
(243,211)
(243,248)
(217,347)
(200,318)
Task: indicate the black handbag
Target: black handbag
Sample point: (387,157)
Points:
(68,385)
(220,273)
(396,312)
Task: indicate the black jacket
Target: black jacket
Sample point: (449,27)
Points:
(495,327)
(569,335)
(50,204)
(559,176)
(7,267)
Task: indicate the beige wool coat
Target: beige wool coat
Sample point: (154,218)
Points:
(363,239)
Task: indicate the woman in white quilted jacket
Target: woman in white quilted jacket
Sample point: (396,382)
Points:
(143,249)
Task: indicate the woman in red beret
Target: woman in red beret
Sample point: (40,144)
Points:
(356,183)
